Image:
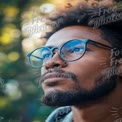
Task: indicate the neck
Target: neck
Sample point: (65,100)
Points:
(104,111)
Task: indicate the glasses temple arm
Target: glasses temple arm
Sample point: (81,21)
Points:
(97,43)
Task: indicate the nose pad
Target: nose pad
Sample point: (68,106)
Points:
(55,61)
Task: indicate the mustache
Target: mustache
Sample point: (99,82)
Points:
(58,70)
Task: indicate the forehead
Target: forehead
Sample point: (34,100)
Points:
(75,32)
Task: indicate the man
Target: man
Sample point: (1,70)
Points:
(77,72)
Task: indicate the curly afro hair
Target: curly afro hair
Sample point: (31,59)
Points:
(103,14)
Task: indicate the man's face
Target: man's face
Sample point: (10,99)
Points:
(82,81)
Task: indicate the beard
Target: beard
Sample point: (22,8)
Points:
(80,96)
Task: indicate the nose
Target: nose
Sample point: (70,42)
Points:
(55,61)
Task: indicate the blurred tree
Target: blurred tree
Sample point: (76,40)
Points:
(19,92)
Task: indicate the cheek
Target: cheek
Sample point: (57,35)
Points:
(87,71)
(42,71)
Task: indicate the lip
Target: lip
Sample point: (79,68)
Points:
(55,77)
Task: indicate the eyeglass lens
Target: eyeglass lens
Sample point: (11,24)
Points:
(70,51)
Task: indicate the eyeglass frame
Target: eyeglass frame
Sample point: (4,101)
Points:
(85,41)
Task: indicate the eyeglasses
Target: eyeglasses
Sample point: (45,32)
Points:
(71,50)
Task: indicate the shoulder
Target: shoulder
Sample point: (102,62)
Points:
(61,114)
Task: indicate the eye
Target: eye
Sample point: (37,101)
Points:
(45,53)
(75,50)
(45,56)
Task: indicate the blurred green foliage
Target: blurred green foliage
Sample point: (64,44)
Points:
(20,91)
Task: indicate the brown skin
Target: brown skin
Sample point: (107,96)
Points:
(90,70)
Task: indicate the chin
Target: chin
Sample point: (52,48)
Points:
(61,96)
